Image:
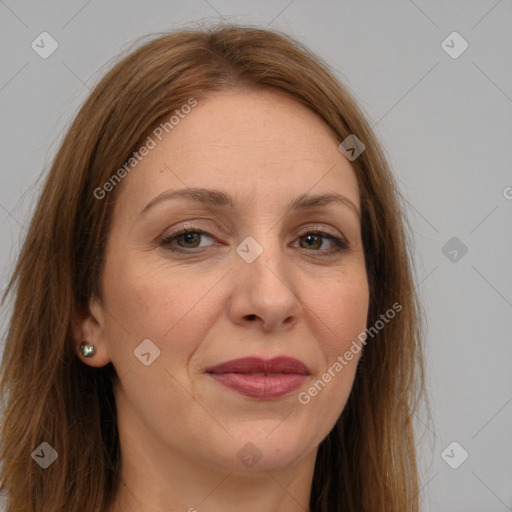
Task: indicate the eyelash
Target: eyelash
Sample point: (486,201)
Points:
(339,243)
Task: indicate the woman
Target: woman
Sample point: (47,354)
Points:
(214,305)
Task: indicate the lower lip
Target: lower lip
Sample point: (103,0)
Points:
(261,386)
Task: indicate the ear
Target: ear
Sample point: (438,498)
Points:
(89,326)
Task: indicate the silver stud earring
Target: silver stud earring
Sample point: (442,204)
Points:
(87,350)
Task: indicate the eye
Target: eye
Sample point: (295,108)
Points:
(315,239)
(189,237)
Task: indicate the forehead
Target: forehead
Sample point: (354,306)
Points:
(254,143)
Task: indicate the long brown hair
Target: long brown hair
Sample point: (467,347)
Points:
(368,460)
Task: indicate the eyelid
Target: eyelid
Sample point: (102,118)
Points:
(337,239)
(319,227)
(210,231)
(183,230)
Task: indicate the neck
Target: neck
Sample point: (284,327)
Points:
(168,484)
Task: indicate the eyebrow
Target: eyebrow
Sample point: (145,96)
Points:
(219,199)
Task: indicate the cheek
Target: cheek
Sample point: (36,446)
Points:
(352,310)
(150,296)
(163,304)
(341,317)
(341,308)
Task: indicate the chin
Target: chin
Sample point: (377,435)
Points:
(264,450)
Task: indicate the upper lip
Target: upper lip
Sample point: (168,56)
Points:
(282,364)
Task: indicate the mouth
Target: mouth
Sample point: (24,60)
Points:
(258,378)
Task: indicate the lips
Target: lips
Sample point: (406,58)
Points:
(277,365)
(258,378)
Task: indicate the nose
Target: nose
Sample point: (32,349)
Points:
(265,291)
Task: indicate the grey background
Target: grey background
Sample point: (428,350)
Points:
(445,124)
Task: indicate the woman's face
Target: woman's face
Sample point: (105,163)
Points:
(258,284)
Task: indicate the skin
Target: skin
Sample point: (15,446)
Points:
(180,431)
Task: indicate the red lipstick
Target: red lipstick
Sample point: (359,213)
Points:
(259,378)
